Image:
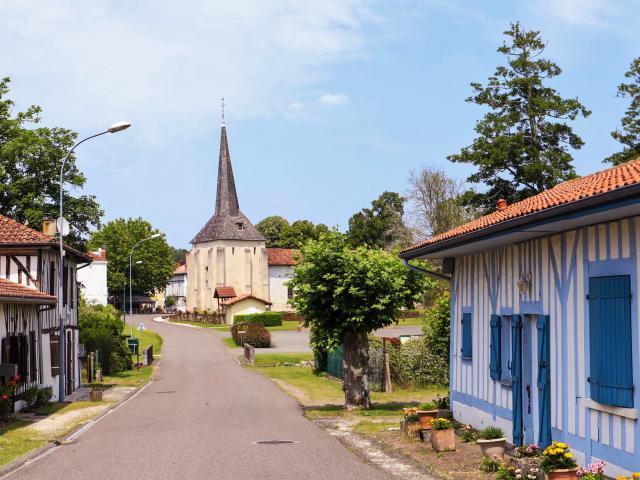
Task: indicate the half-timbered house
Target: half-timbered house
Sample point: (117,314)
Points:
(544,317)
(29,319)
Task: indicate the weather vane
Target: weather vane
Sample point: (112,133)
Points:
(222,106)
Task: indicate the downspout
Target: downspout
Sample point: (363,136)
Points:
(436,275)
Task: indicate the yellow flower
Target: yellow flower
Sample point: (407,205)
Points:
(562,445)
(568,455)
(636,475)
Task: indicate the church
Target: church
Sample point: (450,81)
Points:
(227,266)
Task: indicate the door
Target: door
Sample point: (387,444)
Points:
(516,378)
(69,377)
(544,382)
(528,366)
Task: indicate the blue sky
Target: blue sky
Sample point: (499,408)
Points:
(329,102)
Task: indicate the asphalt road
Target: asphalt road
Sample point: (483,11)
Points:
(199,419)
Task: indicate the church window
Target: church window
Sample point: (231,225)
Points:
(240,225)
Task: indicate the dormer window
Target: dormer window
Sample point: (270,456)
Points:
(240,225)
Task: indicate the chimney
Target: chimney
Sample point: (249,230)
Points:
(502,204)
(49,227)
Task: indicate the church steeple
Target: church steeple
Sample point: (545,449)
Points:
(227,222)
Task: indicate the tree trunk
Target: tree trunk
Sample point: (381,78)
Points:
(355,362)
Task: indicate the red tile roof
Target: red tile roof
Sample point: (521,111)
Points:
(242,297)
(12,290)
(180,270)
(16,233)
(283,256)
(567,192)
(99,255)
(224,292)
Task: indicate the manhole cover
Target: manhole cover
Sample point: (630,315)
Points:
(275,442)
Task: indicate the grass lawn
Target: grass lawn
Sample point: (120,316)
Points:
(16,440)
(285,326)
(407,322)
(146,338)
(212,326)
(281,358)
(317,388)
(129,378)
(229,342)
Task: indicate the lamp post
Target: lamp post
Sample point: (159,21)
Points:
(155,235)
(131,320)
(124,296)
(116,127)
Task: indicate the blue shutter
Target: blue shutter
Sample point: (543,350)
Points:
(516,377)
(495,359)
(611,375)
(544,381)
(466,335)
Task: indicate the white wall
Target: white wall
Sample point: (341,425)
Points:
(278,292)
(94,282)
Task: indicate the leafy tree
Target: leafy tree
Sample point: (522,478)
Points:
(279,233)
(179,255)
(30,160)
(119,236)
(345,293)
(382,225)
(436,202)
(629,135)
(524,142)
(437,327)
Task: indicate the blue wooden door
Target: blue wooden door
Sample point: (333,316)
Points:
(528,366)
(516,377)
(544,382)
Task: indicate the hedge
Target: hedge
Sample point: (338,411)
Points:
(266,319)
(254,334)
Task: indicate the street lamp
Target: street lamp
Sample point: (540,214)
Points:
(155,235)
(124,296)
(116,127)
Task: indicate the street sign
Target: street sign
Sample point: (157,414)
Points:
(141,327)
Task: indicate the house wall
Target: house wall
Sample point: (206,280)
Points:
(233,263)
(560,266)
(278,291)
(94,282)
(244,307)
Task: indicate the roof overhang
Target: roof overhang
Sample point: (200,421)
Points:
(30,300)
(616,204)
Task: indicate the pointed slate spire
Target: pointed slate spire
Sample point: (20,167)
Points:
(228,222)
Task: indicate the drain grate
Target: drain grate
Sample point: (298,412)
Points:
(275,442)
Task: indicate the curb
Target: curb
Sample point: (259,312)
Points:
(45,450)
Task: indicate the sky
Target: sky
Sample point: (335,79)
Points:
(328,102)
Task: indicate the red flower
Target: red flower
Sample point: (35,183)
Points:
(17,378)
(4,397)
(11,383)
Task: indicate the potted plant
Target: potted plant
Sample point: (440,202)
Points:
(558,462)
(412,424)
(427,413)
(527,460)
(595,471)
(443,406)
(443,438)
(492,442)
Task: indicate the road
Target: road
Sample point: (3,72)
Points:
(199,419)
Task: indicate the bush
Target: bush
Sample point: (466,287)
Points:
(488,465)
(414,364)
(491,433)
(30,397)
(254,334)
(469,436)
(442,403)
(45,395)
(266,319)
(100,329)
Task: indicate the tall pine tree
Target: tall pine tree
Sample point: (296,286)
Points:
(524,143)
(629,134)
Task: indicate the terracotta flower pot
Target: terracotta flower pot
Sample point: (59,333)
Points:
(443,440)
(426,418)
(95,395)
(564,474)
(493,448)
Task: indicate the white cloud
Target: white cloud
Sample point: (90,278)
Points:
(158,63)
(334,98)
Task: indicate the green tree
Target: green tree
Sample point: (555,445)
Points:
(279,233)
(179,255)
(345,293)
(273,228)
(30,160)
(382,225)
(437,327)
(629,134)
(524,143)
(119,236)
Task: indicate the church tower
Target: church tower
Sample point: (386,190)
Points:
(228,251)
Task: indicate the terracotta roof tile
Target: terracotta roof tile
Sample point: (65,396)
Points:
(566,192)
(224,292)
(245,296)
(283,256)
(180,270)
(12,290)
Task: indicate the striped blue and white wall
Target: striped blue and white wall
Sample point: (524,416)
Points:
(486,283)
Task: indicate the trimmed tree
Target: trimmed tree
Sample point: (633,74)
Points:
(524,143)
(629,133)
(345,294)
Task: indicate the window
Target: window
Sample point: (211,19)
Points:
(466,349)
(54,344)
(240,225)
(289,292)
(52,278)
(33,359)
(610,340)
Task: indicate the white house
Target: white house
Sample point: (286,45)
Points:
(177,288)
(282,262)
(545,296)
(92,278)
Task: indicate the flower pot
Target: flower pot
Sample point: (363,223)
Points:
(443,440)
(564,474)
(445,413)
(426,417)
(528,466)
(412,429)
(493,448)
(95,395)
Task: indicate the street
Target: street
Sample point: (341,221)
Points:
(200,419)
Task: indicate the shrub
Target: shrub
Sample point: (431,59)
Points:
(254,334)
(30,397)
(441,424)
(492,433)
(45,395)
(442,403)
(414,364)
(427,406)
(412,418)
(489,465)
(266,319)
(506,472)
(469,435)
